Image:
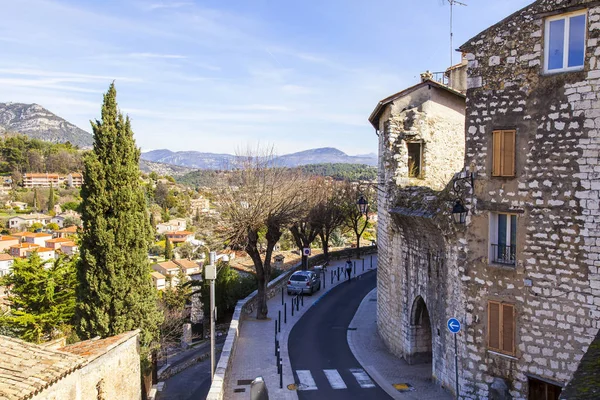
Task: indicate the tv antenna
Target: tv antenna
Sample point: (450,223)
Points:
(452,3)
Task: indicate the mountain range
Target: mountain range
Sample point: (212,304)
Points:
(36,122)
(200,160)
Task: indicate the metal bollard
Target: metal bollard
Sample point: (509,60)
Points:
(281,296)
(338,274)
(293,299)
(331,278)
(363,260)
(371,262)
(302,298)
(275,338)
(354,263)
(285,313)
(280,373)
(297,303)
(279,324)
(324,276)
(258,389)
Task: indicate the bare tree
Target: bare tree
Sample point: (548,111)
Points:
(307,225)
(330,214)
(354,219)
(265,200)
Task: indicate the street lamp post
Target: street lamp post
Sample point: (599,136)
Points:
(210,273)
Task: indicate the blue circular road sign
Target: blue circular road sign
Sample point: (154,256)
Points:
(453,325)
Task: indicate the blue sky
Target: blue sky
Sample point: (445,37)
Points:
(219,76)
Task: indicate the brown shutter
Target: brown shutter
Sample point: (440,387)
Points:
(508,328)
(496,157)
(494,325)
(508,156)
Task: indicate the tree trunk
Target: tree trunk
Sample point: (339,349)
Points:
(325,242)
(262,275)
(358,245)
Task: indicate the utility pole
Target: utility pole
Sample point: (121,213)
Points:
(452,3)
(210,273)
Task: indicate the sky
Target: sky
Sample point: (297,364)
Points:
(223,75)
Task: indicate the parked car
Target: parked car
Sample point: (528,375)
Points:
(304,282)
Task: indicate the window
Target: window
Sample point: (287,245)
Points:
(503,145)
(501,327)
(415,153)
(540,390)
(503,238)
(565,42)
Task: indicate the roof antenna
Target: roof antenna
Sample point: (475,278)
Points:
(452,3)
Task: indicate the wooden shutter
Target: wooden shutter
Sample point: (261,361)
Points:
(508,328)
(494,325)
(503,158)
(497,156)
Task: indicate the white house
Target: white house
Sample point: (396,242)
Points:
(6,263)
(174,225)
(28,220)
(159,280)
(60,218)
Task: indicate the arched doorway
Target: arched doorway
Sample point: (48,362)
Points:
(420,334)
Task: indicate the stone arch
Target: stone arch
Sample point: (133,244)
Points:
(420,338)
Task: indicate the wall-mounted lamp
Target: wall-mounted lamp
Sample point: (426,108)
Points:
(362,204)
(459,211)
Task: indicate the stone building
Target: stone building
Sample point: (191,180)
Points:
(531,282)
(100,369)
(522,273)
(421,144)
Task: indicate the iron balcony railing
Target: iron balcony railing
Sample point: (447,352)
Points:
(503,254)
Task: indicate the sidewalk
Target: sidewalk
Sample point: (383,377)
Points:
(255,349)
(381,365)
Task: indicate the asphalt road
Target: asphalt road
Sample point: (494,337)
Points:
(318,344)
(193,383)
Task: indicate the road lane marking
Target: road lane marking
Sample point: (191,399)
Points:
(362,378)
(335,379)
(306,380)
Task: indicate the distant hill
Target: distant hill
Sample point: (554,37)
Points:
(36,122)
(163,169)
(195,159)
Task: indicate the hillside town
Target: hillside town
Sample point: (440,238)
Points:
(466,268)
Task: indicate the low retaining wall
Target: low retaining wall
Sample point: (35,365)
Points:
(248,306)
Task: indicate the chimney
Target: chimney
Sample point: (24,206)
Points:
(457,76)
(426,76)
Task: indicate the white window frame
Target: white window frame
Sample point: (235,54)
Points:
(493,234)
(567,18)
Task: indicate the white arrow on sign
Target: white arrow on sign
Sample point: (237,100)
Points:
(454,325)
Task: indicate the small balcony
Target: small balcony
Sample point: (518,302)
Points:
(503,254)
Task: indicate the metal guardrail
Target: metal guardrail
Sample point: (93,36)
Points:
(503,254)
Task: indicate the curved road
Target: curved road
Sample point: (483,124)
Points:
(319,350)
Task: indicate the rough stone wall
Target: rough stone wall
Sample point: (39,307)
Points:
(555,193)
(114,375)
(436,118)
(413,258)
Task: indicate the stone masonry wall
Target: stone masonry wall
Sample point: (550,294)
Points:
(413,257)
(555,194)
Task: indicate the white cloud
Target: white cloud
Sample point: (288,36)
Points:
(157,55)
(180,4)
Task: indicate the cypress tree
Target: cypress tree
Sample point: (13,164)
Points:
(115,292)
(51,200)
(36,201)
(168,249)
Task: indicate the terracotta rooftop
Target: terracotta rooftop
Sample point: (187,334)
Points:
(24,245)
(69,244)
(69,229)
(42,249)
(168,265)
(7,238)
(22,234)
(27,369)
(157,275)
(179,233)
(58,240)
(187,264)
(5,257)
(94,348)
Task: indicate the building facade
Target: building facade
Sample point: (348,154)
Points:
(522,274)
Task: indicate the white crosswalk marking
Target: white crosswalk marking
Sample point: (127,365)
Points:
(362,378)
(306,380)
(335,379)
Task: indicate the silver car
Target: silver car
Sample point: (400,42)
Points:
(304,282)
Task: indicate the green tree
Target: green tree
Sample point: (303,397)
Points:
(51,200)
(42,299)
(115,292)
(36,200)
(168,249)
